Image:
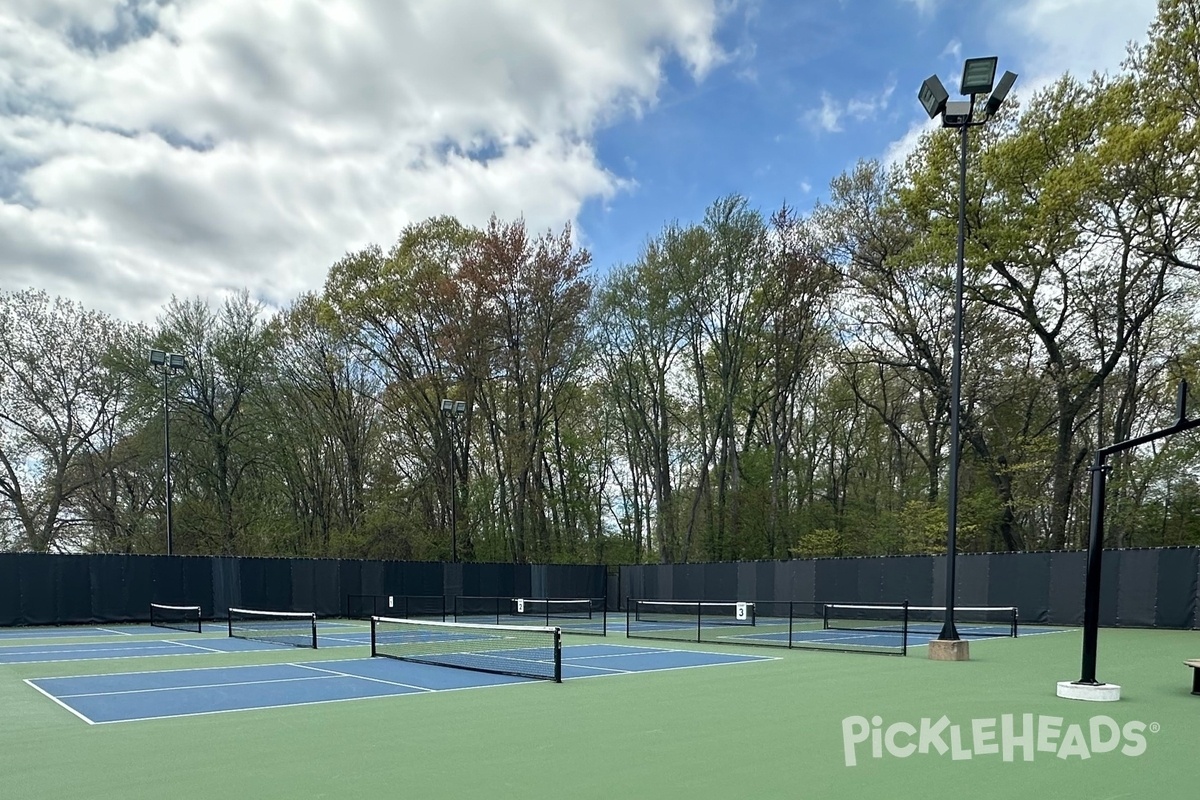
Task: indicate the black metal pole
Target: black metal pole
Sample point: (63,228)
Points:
(949,632)
(1099,470)
(167,456)
(453,501)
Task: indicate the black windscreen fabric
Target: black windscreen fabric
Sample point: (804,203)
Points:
(350,580)
(487,580)
(687,582)
(764,580)
(1110,587)
(423,579)
(395,579)
(908,578)
(327,588)
(122,587)
(647,585)
(277,584)
(1177,587)
(73,589)
(522,580)
(372,579)
(1021,580)
(38,593)
(167,575)
(939,581)
(1067,571)
(633,584)
(796,580)
(836,580)
(1137,582)
(253,579)
(303,584)
(747,582)
(197,588)
(227,586)
(662,578)
(971,579)
(721,583)
(870,580)
(10,589)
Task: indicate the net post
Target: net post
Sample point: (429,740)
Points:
(231,623)
(373,621)
(1014,622)
(557,655)
(825,616)
(791,617)
(314,630)
(604,617)
(904,634)
(699,621)
(628,614)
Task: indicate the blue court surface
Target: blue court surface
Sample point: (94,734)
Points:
(168,643)
(136,696)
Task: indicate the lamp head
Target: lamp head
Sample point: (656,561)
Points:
(1006,82)
(933,96)
(978,75)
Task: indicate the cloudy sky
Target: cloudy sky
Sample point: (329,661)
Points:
(196,147)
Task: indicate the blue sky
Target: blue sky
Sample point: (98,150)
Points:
(198,147)
(754,126)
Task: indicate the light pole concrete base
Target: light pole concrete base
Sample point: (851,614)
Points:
(949,650)
(1098,693)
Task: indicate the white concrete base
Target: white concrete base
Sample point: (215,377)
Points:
(1101,693)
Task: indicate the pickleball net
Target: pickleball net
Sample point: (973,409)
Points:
(970,621)
(180,618)
(526,651)
(571,615)
(294,628)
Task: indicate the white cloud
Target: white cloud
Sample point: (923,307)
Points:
(152,147)
(925,7)
(1051,37)
(829,116)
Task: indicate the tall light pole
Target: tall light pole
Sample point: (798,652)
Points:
(168,364)
(977,78)
(452,411)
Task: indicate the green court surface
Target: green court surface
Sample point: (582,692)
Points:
(766,729)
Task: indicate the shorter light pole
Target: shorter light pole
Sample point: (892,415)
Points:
(168,364)
(452,411)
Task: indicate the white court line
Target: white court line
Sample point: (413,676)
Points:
(197,647)
(149,690)
(365,678)
(60,702)
(118,633)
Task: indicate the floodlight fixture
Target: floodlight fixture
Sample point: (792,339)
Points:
(1006,82)
(158,358)
(978,75)
(447,406)
(176,362)
(957,114)
(460,407)
(933,96)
